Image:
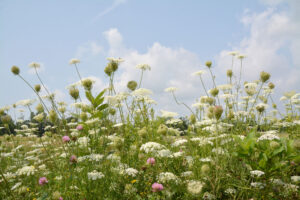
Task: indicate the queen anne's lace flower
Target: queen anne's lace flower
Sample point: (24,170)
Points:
(94,175)
(27,170)
(152,147)
(268,136)
(257,173)
(165,177)
(194,187)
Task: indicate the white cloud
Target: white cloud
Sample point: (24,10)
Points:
(273,45)
(89,48)
(169,67)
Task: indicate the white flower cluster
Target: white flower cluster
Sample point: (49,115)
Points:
(83,141)
(171,89)
(268,136)
(94,175)
(194,187)
(179,142)
(257,173)
(152,147)
(91,157)
(27,170)
(130,172)
(143,67)
(165,177)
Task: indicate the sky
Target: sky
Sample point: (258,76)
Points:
(174,37)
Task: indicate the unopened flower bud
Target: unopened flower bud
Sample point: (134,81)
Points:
(210,100)
(229,73)
(114,66)
(208,64)
(37,88)
(83,116)
(264,76)
(193,119)
(87,84)
(112,111)
(271,85)
(205,169)
(39,108)
(6,119)
(218,110)
(52,116)
(108,70)
(162,129)
(214,92)
(15,70)
(74,92)
(132,85)
(274,145)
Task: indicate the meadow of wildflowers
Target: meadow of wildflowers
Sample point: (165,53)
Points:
(235,143)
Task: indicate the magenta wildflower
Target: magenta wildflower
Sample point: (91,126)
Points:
(151,161)
(73,159)
(79,127)
(66,139)
(43,181)
(60,198)
(156,187)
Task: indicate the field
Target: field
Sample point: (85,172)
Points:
(234,143)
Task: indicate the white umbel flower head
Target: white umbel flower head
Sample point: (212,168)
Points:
(94,175)
(116,60)
(27,170)
(194,187)
(168,114)
(171,89)
(268,136)
(165,177)
(143,67)
(257,173)
(131,172)
(74,61)
(34,65)
(198,73)
(152,147)
(142,92)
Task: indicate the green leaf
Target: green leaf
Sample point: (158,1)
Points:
(278,151)
(102,107)
(99,96)
(90,97)
(99,101)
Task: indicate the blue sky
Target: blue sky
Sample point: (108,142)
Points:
(52,32)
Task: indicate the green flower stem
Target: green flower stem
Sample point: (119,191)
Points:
(35,93)
(179,103)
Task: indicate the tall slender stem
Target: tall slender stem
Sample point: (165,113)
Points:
(35,93)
